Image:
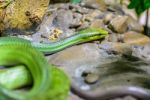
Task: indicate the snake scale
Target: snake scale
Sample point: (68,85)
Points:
(17,51)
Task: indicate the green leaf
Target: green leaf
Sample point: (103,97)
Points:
(75,1)
(147,4)
(139,10)
(133,4)
(139,5)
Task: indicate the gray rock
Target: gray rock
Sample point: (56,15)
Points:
(119,24)
(142,52)
(83,25)
(108,17)
(44,29)
(79,9)
(63,19)
(112,2)
(98,23)
(129,12)
(76,20)
(94,4)
(116,38)
(77,58)
(92,15)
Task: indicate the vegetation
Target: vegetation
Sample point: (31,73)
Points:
(140,6)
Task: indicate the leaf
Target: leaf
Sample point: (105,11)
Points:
(133,4)
(75,1)
(139,10)
(139,5)
(147,4)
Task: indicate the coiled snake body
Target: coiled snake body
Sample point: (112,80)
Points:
(16,51)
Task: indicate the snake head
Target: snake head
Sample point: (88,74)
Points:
(90,34)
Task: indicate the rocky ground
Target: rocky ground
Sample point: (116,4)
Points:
(123,54)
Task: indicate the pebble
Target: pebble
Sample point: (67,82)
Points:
(91,78)
(97,23)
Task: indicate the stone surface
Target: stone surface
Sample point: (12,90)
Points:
(130,12)
(133,25)
(95,4)
(92,15)
(97,23)
(116,48)
(119,24)
(21,14)
(91,78)
(83,56)
(116,38)
(142,52)
(108,17)
(63,19)
(112,2)
(136,38)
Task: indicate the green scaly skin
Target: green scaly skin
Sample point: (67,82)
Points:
(48,82)
(86,35)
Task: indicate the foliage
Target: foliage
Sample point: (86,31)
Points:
(75,1)
(139,5)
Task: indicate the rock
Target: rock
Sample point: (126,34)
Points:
(112,2)
(79,9)
(45,27)
(142,52)
(85,56)
(108,17)
(94,4)
(92,15)
(22,14)
(133,25)
(64,18)
(83,25)
(91,78)
(116,48)
(76,20)
(112,38)
(130,12)
(119,24)
(57,6)
(135,38)
(116,38)
(97,23)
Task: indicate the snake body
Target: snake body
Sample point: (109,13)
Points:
(17,51)
(79,37)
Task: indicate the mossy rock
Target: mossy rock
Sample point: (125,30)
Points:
(22,14)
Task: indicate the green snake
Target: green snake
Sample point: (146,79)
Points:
(16,51)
